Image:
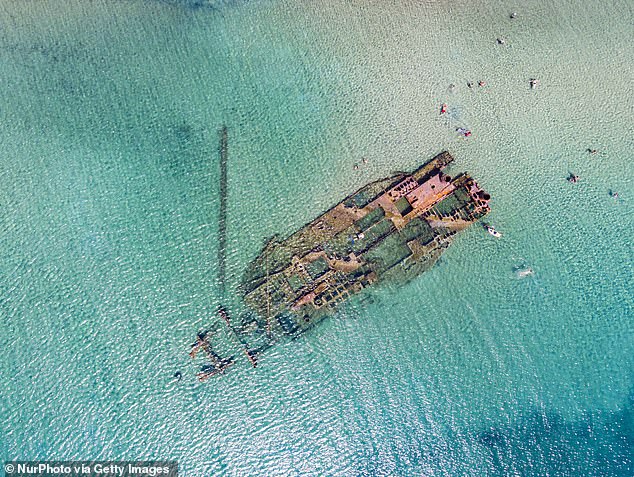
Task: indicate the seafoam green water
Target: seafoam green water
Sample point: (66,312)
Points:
(108,210)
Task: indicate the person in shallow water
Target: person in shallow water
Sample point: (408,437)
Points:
(464,132)
(524,272)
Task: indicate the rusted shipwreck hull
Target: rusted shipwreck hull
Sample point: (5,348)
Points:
(391,229)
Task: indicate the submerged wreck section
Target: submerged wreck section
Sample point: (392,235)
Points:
(392,229)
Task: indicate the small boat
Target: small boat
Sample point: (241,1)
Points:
(492,231)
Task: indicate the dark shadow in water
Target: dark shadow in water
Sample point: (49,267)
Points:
(541,444)
(601,444)
(39,54)
(200,5)
(188,148)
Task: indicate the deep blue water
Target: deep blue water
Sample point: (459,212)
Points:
(108,220)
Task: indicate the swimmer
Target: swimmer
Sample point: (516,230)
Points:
(573,179)
(525,272)
(356,167)
(592,151)
(534,83)
(364,160)
(513,15)
(501,41)
(469,84)
(481,83)
(464,132)
(178,375)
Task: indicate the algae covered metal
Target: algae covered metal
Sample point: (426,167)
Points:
(391,229)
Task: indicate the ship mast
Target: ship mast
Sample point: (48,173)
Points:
(268,298)
(222,212)
(222,240)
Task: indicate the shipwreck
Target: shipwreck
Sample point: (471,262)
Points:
(392,229)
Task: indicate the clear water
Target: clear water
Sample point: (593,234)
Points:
(109,128)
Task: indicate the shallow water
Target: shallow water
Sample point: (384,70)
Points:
(108,219)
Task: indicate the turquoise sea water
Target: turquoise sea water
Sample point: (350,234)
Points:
(108,208)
